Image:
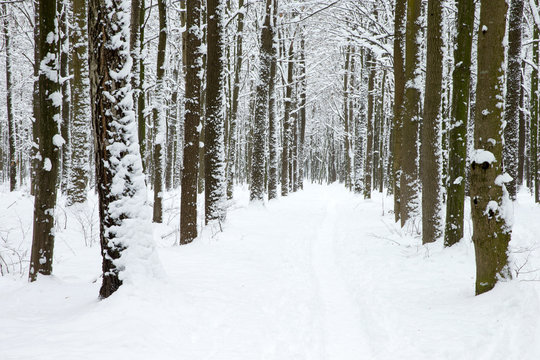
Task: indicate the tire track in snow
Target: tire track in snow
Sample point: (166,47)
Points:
(344,337)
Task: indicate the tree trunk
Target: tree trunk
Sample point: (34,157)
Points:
(513,94)
(533,155)
(346,121)
(141,91)
(214,156)
(286,124)
(370,64)
(522,131)
(272,116)
(9,102)
(121,186)
(261,108)
(231,168)
(302,114)
(399,93)
(409,186)
(489,200)
(431,130)
(192,123)
(457,156)
(35,104)
(80,96)
(159,113)
(66,94)
(49,153)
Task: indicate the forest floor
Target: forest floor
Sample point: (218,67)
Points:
(321,274)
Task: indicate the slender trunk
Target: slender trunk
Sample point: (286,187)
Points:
(66,95)
(261,108)
(9,102)
(286,124)
(214,157)
(192,121)
(457,156)
(346,75)
(430,154)
(522,131)
(302,114)
(272,116)
(141,91)
(80,98)
(158,114)
(399,93)
(35,104)
(48,133)
(370,64)
(409,186)
(381,132)
(533,155)
(513,95)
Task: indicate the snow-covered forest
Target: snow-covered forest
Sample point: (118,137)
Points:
(269,179)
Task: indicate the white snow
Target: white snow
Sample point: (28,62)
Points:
(502,179)
(480,156)
(47,165)
(320,274)
(58,140)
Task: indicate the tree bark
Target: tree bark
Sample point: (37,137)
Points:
(513,95)
(159,113)
(9,102)
(121,186)
(192,123)
(370,65)
(489,201)
(457,156)
(272,116)
(286,142)
(430,154)
(399,93)
(214,142)
(409,186)
(261,108)
(49,154)
(80,96)
(533,156)
(65,126)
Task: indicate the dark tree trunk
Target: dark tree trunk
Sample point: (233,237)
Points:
(457,156)
(158,114)
(491,231)
(192,121)
(430,154)
(409,186)
(370,65)
(9,102)
(399,93)
(47,171)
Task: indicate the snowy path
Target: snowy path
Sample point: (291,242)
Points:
(318,275)
(343,337)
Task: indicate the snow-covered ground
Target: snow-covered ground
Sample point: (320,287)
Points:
(321,274)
